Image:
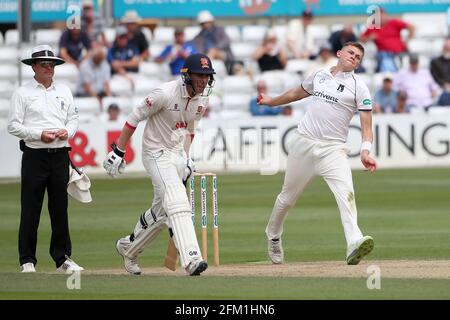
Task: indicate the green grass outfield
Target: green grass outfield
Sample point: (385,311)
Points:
(406,211)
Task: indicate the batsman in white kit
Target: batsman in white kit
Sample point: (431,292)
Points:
(172,111)
(318,147)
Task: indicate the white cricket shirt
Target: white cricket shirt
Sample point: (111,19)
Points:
(334,101)
(35,108)
(169,112)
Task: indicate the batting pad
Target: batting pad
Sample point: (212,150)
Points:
(185,238)
(146,230)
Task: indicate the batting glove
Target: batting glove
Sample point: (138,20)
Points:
(189,170)
(114,163)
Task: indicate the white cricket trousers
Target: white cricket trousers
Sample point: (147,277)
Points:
(308,158)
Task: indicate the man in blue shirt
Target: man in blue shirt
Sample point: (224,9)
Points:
(123,56)
(385,100)
(176,53)
(263,110)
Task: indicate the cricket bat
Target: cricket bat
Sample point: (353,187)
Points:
(171,256)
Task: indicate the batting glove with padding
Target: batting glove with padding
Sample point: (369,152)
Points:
(114,163)
(189,170)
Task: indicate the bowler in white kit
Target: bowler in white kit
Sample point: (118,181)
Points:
(172,111)
(318,147)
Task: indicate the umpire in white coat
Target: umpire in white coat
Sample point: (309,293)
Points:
(172,111)
(43,116)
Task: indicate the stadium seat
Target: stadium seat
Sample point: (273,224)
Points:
(6,89)
(164,35)
(8,55)
(236,101)
(8,71)
(319,33)
(237,84)
(420,46)
(253,34)
(120,86)
(156,49)
(4,108)
(190,32)
(219,68)
(234,33)
(1,38)
(147,33)
(243,50)
(87,105)
(144,85)
(281,32)
(424,28)
(48,36)
(215,103)
(12,37)
(27,72)
(150,69)
(125,104)
(110,34)
(67,71)
(298,66)
(439,110)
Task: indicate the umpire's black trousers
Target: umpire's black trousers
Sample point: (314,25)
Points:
(44,169)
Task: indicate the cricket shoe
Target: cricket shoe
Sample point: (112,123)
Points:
(69,266)
(27,268)
(196,267)
(130,264)
(359,250)
(275,251)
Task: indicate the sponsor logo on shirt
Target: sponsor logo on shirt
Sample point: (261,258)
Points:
(181,124)
(199,110)
(148,102)
(325,96)
(367,102)
(175,107)
(341,88)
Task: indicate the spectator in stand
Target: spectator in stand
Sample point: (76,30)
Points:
(213,41)
(95,74)
(269,55)
(92,24)
(417,83)
(176,53)
(440,70)
(385,100)
(338,38)
(324,60)
(263,110)
(388,40)
(136,37)
(299,45)
(402,107)
(74,46)
(123,56)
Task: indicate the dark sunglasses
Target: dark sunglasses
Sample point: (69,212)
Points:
(46,64)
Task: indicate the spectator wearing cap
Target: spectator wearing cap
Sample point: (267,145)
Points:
(123,55)
(440,70)
(212,40)
(299,44)
(136,37)
(339,37)
(270,55)
(92,24)
(417,83)
(388,40)
(385,99)
(44,116)
(176,53)
(74,46)
(324,60)
(95,74)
